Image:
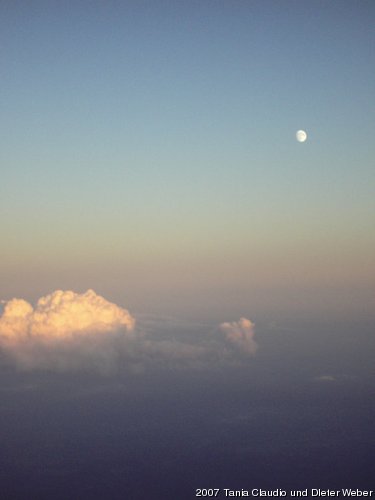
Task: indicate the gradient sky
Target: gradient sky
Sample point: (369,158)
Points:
(148,151)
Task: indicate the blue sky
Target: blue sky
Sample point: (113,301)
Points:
(149,148)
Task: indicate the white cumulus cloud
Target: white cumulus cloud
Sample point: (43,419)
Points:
(65,330)
(68,331)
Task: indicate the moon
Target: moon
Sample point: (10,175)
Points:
(301,136)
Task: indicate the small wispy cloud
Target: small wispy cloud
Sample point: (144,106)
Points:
(240,335)
(325,378)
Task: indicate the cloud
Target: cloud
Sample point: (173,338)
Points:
(240,335)
(65,331)
(68,331)
(325,378)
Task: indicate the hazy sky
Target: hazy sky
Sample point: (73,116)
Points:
(148,151)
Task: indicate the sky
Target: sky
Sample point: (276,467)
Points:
(148,152)
(186,291)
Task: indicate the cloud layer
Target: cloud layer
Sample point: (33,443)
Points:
(67,331)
